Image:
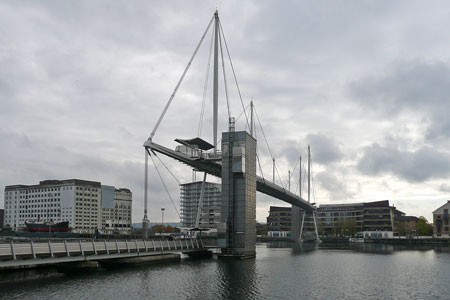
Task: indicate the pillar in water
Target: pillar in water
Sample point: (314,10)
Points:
(237,231)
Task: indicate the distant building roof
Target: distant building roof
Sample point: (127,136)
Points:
(279,208)
(382,203)
(407,218)
(440,209)
(56,182)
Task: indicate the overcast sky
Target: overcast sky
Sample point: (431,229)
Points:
(366,83)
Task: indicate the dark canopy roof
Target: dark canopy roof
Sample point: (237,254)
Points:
(202,144)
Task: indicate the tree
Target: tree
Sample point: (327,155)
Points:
(350,226)
(400,227)
(168,229)
(423,227)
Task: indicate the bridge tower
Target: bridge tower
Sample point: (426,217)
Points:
(237,231)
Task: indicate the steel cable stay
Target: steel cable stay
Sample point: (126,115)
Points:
(268,146)
(224,76)
(167,168)
(165,186)
(205,87)
(180,81)
(234,73)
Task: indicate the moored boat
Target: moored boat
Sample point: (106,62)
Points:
(45,226)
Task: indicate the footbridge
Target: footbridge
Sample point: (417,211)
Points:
(205,162)
(22,254)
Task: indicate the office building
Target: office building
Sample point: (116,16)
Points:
(189,202)
(78,202)
(374,219)
(2,215)
(116,210)
(279,221)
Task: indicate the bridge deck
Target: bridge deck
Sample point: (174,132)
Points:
(214,168)
(30,253)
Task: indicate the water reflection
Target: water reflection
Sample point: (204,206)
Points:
(238,279)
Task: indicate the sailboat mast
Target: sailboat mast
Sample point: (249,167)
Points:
(216,78)
(309,175)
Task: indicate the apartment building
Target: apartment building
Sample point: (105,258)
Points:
(211,206)
(441,221)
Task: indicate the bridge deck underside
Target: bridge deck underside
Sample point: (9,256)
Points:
(213,168)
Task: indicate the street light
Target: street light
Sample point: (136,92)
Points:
(162,219)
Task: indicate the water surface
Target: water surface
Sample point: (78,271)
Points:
(279,271)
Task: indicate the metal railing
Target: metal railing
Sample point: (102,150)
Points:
(32,252)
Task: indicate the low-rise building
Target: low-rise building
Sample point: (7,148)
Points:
(79,202)
(279,221)
(441,221)
(373,219)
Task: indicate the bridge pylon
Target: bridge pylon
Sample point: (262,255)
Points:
(237,231)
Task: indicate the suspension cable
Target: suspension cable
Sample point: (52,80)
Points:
(234,73)
(240,115)
(205,87)
(262,130)
(279,177)
(224,76)
(179,81)
(171,173)
(165,186)
(257,155)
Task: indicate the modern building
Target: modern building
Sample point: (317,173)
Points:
(210,208)
(77,201)
(2,215)
(441,221)
(279,221)
(374,219)
(116,210)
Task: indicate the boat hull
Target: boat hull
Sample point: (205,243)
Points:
(44,227)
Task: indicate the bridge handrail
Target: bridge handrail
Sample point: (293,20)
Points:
(36,250)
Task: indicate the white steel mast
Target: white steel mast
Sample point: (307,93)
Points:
(309,175)
(216,78)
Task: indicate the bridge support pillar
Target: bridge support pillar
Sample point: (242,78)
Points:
(295,225)
(237,231)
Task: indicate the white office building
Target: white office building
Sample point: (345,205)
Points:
(77,201)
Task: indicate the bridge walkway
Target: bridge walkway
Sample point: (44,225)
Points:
(37,253)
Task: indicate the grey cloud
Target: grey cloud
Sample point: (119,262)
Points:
(337,189)
(413,166)
(445,188)
(324,149)
(414,86)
